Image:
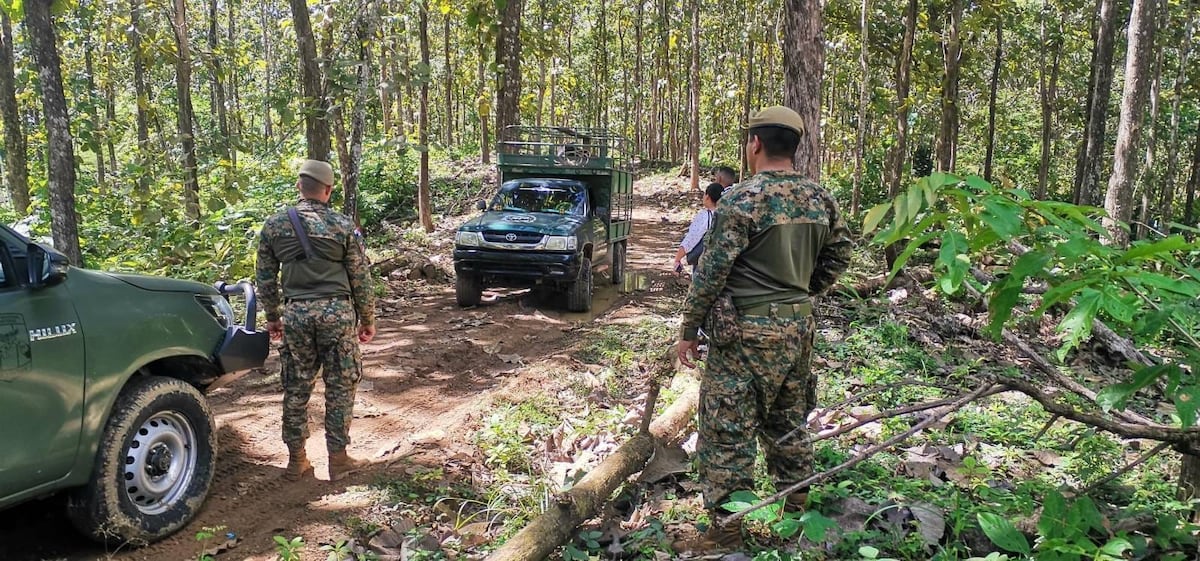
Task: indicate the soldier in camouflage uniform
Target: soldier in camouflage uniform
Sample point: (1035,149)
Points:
(778,240)
(326,309)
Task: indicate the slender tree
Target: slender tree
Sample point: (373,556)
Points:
(997,59)
(15,161)
(218,84)
(947,141)
(1048,93)
(142,90)
(61,163)
(1138,59)
(1189,203)
(1101,89)
(312,86)
(864,99)
(1167,195)
(803,69)
(694,98)
(183,93)
(423,201)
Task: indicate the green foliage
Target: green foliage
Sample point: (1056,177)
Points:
(289,550)
(388,184)
(1149,289)
(811,525)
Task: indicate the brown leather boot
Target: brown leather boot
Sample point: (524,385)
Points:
(298,465)
(718,539)
(341,465)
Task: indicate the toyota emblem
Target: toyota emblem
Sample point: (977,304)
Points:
(510,237)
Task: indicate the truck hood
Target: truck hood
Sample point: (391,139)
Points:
(540,222)
(161,284)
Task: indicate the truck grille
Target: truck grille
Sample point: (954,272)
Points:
(513,237)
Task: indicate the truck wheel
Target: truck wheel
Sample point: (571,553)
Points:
(579,293)
(154,465)
(468,290)
(618,263)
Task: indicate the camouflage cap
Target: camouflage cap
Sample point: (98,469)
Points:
(316,169)
(777,116)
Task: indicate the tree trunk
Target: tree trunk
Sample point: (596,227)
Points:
(864,100)
(544,534)
(61,164)
(1167,197)
(1048,92)
(423,202)
(803,67)
(694,98)
(484,102)
(639,94)
(449,81)
(1098,111)
(363,35)
(95,146)
(1118,200)
(1148,178)
(218,85)
(183,93)
(747,101)
(899,152)
(142,185)
(988,158)
(508,69)
(14,134)
(1193,184)
(268,133)
(952,57)
(316,114)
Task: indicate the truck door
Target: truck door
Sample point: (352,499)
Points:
(599,226)
(41,378)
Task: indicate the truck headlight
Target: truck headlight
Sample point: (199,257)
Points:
(218,307)
(468,239)
(561,243)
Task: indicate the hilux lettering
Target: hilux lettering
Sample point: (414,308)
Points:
(46,333)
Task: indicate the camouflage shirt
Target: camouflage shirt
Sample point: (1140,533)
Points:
(778,237)
(338,268)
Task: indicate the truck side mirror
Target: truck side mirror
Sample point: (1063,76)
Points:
(46,267)
(481,205)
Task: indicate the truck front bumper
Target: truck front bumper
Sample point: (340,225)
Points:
(521,266)
(243,347)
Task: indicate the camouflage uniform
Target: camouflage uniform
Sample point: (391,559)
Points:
(778,239)
(326,297)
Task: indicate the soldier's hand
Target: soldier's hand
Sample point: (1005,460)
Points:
(275,329)
(366,333)
(687,351)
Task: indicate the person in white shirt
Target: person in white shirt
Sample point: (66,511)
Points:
(700,226)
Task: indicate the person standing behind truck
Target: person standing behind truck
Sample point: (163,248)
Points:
(778,240)
(693,242)
(326,309)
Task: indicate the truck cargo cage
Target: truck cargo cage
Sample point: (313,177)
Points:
(570,147)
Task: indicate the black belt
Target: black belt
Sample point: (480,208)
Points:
(774,309)
(313,299)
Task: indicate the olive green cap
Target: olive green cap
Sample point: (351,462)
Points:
(316,169)
(777,116)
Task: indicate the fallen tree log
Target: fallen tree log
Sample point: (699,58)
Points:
(539,538)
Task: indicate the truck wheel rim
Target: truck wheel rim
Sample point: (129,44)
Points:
(159,462)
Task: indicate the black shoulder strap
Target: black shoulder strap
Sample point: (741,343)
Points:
(301,233)
(710,219)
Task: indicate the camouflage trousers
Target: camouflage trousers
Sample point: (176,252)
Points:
(319,335)
(756,389)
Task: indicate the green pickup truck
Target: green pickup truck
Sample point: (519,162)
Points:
(563,210)
(101,381)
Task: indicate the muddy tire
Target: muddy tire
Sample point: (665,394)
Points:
(468,290)
(579,293)
(154,466)
(617,270)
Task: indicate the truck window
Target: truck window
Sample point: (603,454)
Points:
(554,198)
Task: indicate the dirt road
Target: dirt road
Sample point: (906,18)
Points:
(430,372)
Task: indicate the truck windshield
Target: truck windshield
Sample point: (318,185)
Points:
(531,196)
